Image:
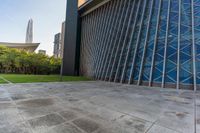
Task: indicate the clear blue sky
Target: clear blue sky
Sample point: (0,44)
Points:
(47,16)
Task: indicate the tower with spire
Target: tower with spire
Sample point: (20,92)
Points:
(29,32)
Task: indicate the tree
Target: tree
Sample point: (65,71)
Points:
(20,61)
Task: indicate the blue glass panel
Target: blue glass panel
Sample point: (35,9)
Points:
(142,38)
(132,48)
(186,44)
(197,37)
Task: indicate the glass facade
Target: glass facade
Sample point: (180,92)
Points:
(143,42)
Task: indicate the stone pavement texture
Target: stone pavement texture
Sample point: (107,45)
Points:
(97,107)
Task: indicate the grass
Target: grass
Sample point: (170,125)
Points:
(2,81)
(19,78)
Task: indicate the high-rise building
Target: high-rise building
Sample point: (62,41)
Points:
(62,39)
(29,32)
(59,42)
(142,42)
(57,45)
(42,52)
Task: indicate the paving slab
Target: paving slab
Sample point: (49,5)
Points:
(160,129)
(65,128)
(9,115)
(97,107)
(44,122)
(16,128)
(87,125)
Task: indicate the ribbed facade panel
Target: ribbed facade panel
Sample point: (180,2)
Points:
(143,42)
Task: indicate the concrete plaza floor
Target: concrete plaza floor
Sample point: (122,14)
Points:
(97,107)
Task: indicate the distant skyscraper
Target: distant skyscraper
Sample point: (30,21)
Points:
(59,42)
(29,32)
(42,52)
(57,45)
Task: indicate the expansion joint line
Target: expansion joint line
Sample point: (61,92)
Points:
(6,80)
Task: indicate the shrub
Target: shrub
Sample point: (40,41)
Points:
(22,62)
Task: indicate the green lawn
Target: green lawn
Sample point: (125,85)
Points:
(2,81)
(18,78)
